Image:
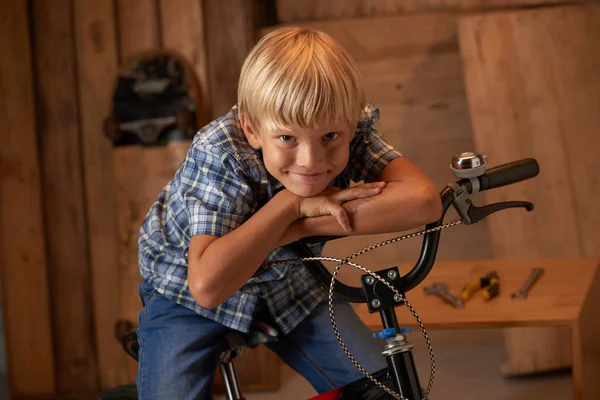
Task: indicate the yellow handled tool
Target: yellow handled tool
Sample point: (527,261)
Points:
(489,282)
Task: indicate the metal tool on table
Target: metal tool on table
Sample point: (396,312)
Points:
(489,284)
(531,280)
(441,290)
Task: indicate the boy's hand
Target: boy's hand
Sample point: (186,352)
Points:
(329,201)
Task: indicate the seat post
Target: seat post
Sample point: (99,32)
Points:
(230,380)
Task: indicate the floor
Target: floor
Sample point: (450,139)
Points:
(467,367)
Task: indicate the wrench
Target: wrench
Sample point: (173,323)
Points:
(439,289)
(533,277)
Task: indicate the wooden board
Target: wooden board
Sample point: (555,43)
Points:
(306,10)
(183,31)
(26,312)
(556,299)
(534,92)
(64,208)
(412,71)
(138,26)
(230,34)
(96,53)
(138,31)
(586,346)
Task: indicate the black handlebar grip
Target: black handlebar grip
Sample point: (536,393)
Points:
(507,174)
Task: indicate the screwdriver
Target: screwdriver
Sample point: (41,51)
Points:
(489,281)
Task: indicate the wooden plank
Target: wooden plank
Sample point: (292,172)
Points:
(230,28)
(58,131)
(138,32)
(96,69)
(25,292)
(386,37)
(557,298)
(183,31)
(140,174)
(586,346)
(575,64)
(138,24)
(307,10)
(526,86)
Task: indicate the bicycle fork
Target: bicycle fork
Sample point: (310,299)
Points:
(399,357)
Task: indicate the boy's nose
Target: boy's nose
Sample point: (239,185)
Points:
(309,157)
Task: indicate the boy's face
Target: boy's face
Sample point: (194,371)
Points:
(305,161)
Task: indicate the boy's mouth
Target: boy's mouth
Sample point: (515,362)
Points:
(308,177)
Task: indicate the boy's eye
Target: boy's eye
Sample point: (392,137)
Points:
(331,135)
(286,138)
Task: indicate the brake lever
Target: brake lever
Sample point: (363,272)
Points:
(471,214)
(476,214)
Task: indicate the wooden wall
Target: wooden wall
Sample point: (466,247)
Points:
(416,67)
(23,259)
(71,204)
(315,10)
(534,90)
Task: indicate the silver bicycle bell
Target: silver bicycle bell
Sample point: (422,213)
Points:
(468,165)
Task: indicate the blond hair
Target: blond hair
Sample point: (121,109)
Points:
(299,78)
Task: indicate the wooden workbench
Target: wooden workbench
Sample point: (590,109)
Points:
(567,294)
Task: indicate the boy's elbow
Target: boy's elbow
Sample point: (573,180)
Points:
(432,206)
(203,296)
(203,292)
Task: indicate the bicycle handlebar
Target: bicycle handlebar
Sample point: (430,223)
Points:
(501,175)
(507,174)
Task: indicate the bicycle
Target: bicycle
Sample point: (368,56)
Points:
(383,291)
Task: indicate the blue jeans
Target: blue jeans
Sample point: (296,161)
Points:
(179,349)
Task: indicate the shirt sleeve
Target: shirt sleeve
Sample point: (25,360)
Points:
(214,190)
(370,153)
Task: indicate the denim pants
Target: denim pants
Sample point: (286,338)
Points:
(179,349)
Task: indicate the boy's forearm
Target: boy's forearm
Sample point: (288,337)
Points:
(395,209)
(228,262)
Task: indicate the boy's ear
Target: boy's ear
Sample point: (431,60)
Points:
(251,134)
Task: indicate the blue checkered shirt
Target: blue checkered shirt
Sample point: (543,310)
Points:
(220,184)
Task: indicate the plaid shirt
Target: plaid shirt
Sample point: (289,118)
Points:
(220,184)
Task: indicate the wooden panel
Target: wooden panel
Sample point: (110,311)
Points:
(25,297)
(140,174)
(230,35)
(536,90)
(391,36)
(557,298)
(586,346)
(138,32)
(184,32)
(58,131)
(138,26)
(412,71)
(305,10)
(96,70)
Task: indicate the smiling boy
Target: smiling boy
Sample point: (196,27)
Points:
(277,167)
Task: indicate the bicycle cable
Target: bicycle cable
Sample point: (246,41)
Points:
(401,298)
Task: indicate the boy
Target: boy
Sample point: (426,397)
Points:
(275,169)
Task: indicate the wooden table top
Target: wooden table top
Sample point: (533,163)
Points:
(556,298)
